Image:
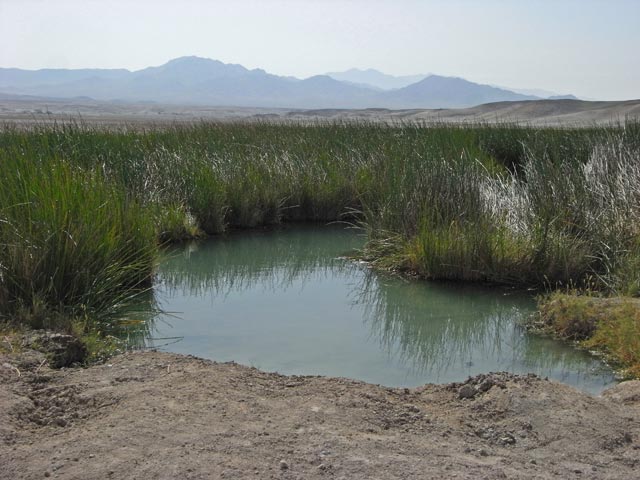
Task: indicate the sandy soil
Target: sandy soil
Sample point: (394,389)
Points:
(541,113)
(29,110)
(158,415)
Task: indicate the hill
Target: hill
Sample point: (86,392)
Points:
(205,82)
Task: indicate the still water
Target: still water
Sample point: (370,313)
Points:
(288,301)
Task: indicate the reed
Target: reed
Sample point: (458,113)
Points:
(83,208)
(72,244)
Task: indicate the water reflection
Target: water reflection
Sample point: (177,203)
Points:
(438,327)
(135,321)
(287,301)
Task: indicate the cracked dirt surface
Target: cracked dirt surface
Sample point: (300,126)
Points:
(155,415)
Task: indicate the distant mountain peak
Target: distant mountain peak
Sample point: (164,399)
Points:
(321,78)
(372,78)
(190,58)
(195,61)
(360,70)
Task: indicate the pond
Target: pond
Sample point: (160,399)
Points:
(289,301)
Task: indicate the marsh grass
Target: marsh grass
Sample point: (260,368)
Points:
(609,325)
(83,209)
(71,243)
(556,216)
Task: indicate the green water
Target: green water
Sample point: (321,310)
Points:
(288,301)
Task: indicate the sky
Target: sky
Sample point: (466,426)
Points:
(585,47)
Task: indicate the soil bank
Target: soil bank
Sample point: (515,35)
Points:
(153,415)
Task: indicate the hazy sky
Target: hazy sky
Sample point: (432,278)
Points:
(587,47)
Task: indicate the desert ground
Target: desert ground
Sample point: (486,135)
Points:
(153,415)
(24,109)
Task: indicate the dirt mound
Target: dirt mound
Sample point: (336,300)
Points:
(158,415)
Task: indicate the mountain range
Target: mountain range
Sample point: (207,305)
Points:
(202,81)
(371,78)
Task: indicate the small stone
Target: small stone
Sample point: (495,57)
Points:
(63,350)
(467,391)
(47,474)
(284,465)
(485,385)
(507,439)
(483,453)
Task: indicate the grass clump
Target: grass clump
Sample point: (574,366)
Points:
(72,243)
(100,346)
(175,224)
(608,325)
(556,216)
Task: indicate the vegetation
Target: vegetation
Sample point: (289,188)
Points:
(609,325)
(83,209)
(72,242)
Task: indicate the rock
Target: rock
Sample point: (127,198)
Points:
(284,465)
(60,350)
(507,439)
(486,385)
(467,391)
(61,422)
(486,433)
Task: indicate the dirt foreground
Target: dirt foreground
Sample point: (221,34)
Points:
(158,415)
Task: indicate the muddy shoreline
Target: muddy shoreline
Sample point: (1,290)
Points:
(158,415)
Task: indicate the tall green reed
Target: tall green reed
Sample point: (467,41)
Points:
(72,243)
(84,207)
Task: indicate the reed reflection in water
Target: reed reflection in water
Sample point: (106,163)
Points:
(289,301)
(437,328)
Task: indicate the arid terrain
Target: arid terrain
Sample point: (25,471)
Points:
(24,109)
(157,415)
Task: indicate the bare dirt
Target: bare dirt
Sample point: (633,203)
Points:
(578,113)
(156,415)
(25,110)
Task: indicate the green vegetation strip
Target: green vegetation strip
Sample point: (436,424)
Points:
(608,325)
(83,209)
